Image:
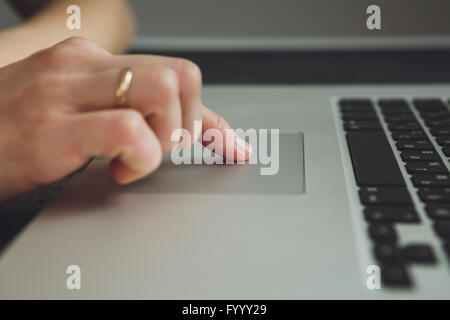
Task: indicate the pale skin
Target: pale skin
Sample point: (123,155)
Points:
(57,107)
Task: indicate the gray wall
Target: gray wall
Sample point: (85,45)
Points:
(281,17)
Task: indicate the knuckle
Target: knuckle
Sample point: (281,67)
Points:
(190,73)
(65,52)
(76,41)
(54,57)
(128,125)
(167,85)
(82,45)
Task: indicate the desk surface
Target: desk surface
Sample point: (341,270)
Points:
(271,68)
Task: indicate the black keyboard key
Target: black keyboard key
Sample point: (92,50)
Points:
(395,275)
(435,115)
(440,195)
(385,196)
(394,106)
(397,103)
(391,214)
(399,118)
(384,233)
(373,161)
(446,150)
(429,104)
(431,180)
(408,135)
(355,105)
(387,253)
(443,140)
(358,115)
(361,125)
(439,123)
(442,228)
(440,132)
(404,126)
(419,253)
(438,211)
(426,167)
(414,145)
(420,155)
(395,112)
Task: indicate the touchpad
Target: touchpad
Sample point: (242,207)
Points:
(285,177)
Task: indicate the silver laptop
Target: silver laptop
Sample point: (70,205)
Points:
(358,209)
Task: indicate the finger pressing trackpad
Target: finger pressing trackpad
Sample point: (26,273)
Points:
(265,176)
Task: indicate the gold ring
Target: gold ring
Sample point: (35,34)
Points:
(126,75)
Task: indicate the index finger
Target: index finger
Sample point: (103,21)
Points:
(232,145)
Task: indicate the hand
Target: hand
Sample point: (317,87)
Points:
(57,111)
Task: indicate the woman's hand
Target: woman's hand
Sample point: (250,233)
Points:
(57,111)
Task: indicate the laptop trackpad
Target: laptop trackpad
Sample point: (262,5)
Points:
(231,178)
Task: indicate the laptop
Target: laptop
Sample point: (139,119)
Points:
(358,209)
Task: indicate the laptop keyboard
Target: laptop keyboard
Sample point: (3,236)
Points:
(420,130)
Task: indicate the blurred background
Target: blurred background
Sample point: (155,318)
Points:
(330,35)
(239,18)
